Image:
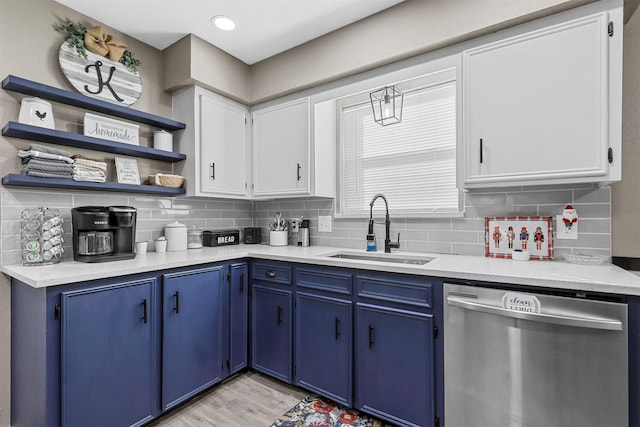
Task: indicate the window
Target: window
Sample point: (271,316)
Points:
(413,163)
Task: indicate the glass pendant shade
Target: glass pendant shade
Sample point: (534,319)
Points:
(387,105)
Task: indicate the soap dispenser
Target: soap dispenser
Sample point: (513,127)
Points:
(371,238)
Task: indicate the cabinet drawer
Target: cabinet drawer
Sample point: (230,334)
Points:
(414,291)
(272,272)
(325,280)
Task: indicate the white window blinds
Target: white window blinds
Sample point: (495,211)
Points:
(413,162)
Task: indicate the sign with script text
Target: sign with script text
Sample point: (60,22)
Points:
(98,77)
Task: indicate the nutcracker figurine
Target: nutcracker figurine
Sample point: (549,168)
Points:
(511,235)
(538,237)
(524,238)
(497,236)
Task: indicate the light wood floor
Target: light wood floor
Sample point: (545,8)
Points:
(246,400)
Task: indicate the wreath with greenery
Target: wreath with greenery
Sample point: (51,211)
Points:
(75,36)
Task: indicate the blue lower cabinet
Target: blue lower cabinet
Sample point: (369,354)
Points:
(324,350)
(271,332)
(238,317)
(192,335)
(395,364)
(107,355)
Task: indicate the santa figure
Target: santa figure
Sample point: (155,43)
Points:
(569,217)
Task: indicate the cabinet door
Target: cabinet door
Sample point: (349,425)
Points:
(239,318)
(537,105)
(222,146)
(107,355)
(281,149)
(395,365)
(271,332)
(192,333)
(323,346)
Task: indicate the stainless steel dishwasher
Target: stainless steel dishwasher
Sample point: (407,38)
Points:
(514,358)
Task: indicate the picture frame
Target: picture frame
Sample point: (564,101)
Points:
(506,234)
(127,171)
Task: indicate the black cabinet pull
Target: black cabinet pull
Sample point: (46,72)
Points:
(371,339)
(337,327)
(213,171)
(298,172)
(144,310)
(279,315)
(481,149)
(270,273)
(242,283)
(176,307)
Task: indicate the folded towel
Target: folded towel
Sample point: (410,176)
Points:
(42,148)
(44,174)
(46,166)
(91,176)
(43,155)
(27,159)
(89,164)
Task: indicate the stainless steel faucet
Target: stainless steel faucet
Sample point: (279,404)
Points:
(388,244)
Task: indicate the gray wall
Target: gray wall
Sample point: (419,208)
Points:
(405,30)
(625,197)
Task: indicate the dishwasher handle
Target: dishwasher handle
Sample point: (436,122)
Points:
(557,319)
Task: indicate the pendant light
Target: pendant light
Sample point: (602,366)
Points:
(387,105)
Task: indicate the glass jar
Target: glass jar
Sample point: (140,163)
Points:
(194,238)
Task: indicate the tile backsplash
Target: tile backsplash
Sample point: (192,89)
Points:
(153,214)
(463,235)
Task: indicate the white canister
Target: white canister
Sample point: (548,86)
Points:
(278,238)
(176,235)
(36,112)
(163,140)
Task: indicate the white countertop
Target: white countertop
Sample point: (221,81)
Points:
(606,278)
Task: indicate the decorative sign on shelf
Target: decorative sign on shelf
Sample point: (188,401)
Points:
(110,129)
(127,171)
(98,65)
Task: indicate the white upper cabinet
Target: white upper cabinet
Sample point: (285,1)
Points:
(293,149)
(544,107)
(281,139)
(214,141)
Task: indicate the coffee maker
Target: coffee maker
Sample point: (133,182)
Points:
(103,233)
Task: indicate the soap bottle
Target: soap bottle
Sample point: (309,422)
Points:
(371,238)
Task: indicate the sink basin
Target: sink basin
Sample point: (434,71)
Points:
(383,257)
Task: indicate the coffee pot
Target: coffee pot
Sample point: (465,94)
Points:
(103,233)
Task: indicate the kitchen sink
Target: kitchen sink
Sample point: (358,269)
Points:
(383,257)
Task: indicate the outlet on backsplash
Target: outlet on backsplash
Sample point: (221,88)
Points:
(324,224)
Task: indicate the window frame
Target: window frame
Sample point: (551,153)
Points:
(432,74)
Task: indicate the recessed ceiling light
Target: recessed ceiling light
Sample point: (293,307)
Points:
(223,22)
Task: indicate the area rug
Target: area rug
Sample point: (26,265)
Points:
(315,411)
